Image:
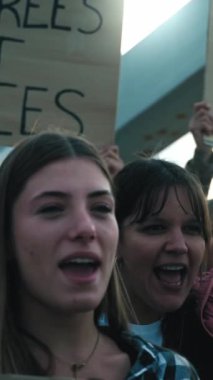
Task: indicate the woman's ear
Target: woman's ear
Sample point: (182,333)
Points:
(119,255)
(119,260)
(10,250)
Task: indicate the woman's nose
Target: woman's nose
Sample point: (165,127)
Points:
(82,226)
(176,242)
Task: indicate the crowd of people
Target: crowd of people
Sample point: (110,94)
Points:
(106,267)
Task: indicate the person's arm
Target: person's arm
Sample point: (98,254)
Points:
(200,125)
(111,155)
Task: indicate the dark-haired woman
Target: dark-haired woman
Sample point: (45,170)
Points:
(164,235)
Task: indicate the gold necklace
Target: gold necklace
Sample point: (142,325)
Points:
(76,367)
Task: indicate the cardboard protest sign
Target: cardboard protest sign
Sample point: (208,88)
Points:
(59,66)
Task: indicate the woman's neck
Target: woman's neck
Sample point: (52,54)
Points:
(78,348)
(143,314)
(66,334)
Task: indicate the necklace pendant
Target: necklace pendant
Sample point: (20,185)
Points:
(77,367)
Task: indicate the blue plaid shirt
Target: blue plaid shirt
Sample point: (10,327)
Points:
(158,363)
(152,363)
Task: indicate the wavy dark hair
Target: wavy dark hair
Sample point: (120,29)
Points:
(141,183)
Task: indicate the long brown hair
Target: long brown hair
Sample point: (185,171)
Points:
(26,159)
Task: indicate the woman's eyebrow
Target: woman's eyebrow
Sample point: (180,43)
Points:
(62,194)
(100,193)
(52,193)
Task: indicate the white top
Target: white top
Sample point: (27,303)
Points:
(151,332)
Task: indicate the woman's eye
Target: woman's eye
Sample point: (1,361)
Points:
(102,208)
(51,210)
(152,229)
(193,229)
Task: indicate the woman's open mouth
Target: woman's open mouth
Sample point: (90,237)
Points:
(80,268)
(171,275)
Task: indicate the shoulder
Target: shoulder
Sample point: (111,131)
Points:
(204,289)
(190,327)
(160,362)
